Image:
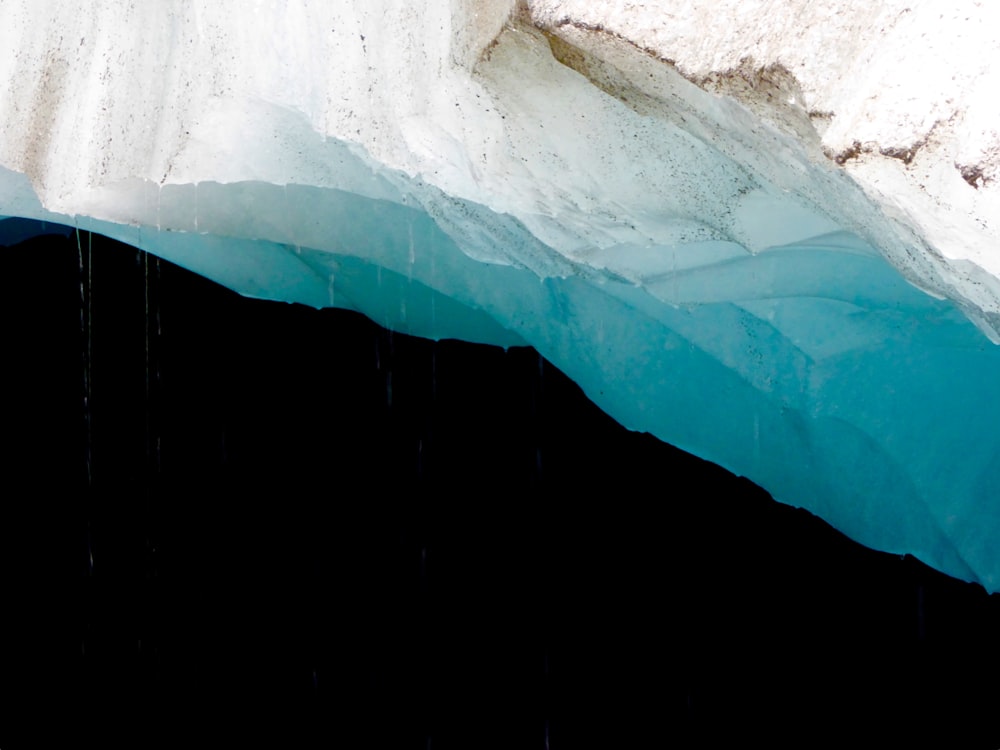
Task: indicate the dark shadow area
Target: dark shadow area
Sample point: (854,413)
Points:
(292,522)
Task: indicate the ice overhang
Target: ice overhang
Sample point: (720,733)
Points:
(689,243)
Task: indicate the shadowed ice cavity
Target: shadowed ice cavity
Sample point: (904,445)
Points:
(812,368)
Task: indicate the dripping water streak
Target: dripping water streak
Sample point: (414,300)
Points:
(85,270)
(90,374)
(145,276)
(152,331)
(156,360)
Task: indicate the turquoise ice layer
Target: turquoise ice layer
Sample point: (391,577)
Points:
(812,368)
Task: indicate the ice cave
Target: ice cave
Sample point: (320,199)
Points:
(763,232)
(787,273)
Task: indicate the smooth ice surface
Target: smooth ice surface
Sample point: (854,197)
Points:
(680,238)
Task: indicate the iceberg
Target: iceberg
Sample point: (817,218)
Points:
(773,250)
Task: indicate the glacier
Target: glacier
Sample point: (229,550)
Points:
(764,233)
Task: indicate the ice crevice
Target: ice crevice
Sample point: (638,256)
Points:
(654,210)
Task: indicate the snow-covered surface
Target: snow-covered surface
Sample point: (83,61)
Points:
(894,79)
(703,212)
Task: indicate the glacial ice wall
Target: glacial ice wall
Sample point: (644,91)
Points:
(718,234)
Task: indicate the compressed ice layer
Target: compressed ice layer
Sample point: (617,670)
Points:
(704,275)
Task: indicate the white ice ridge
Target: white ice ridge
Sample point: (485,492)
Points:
(758,229)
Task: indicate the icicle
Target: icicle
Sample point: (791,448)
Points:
(330,291)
